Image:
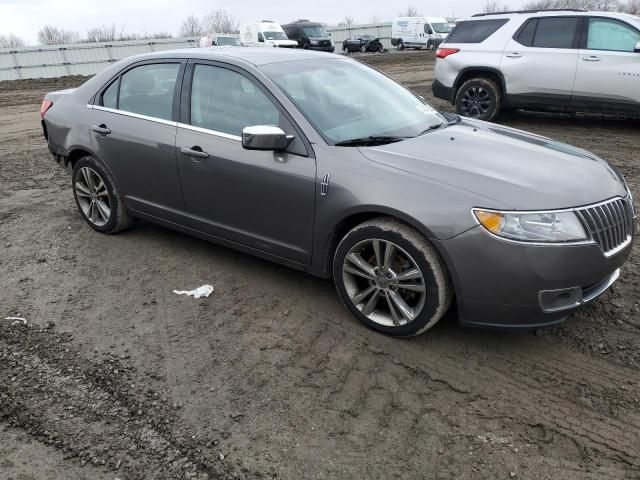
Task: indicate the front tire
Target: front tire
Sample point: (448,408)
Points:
(479,98)
(400,45)
(363,49)
(391,278)
(98,198)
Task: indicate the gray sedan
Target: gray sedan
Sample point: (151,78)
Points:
(323,164)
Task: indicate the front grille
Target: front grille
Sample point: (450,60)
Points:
(610,223)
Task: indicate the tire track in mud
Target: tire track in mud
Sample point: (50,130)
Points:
(95,411)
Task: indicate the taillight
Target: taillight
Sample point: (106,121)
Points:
(46,105)
(445,52)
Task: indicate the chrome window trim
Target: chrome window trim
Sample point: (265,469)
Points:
(589,241)
(133,115)
(186,126)
(216,133)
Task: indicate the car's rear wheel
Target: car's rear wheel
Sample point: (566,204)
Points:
(98,198)
(400,45)
(380,48)
(363,49)
(391,278)
(479,98)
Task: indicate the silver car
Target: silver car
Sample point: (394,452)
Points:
(323,164)
(569,61)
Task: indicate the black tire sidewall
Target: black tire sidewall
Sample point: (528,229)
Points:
(400,45)
(490,87)
(114,202)
(431,303)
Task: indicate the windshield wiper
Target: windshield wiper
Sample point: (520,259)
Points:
(435,126)
(370,140)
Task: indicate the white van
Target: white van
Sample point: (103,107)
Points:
(419,32)
(265,34)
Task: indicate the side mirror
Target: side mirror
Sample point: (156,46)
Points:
(637,49)
(265,137)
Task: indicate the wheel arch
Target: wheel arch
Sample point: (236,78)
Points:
(76,152)
(353,218)
(484,72)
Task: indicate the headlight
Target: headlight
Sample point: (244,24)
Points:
(543,227)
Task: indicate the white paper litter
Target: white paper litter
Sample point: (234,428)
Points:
(16,320)
(203,291)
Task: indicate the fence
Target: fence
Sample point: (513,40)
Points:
(379,30)
(48,61)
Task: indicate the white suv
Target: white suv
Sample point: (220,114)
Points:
(560,60)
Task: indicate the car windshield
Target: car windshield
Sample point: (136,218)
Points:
(316,31)
(275,36)
(441,27)
(346,100)
(228,41)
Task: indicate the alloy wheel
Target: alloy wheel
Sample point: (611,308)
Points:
(93,196)
(476,102)
(384,282)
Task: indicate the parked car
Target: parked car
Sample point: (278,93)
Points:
(362,43)
(568,61)
(419,32)
(219,40)
(321,163)
(309,35)
(265,33)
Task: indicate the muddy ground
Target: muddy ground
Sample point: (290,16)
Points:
(271,377)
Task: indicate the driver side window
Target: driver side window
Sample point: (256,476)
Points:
(606,34)
(225,101)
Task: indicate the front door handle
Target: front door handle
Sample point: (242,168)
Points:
(101,129)
(592,58)
(514,55)
(194,152)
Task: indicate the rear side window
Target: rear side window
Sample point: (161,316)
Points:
(606,34)
(110,95)
(525,37)
(557,32)
(475,31)
(148,90)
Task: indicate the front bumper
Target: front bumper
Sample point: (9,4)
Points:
(507,285)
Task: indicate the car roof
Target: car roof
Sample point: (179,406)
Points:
(523,14)
(253,55)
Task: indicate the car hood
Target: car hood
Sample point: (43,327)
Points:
(519,170)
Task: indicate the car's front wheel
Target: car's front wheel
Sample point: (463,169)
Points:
(98,198)
(363,49)
(400,45)
(391,278)
(479,98)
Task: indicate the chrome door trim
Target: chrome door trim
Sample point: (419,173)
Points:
(216,133)
(133,115)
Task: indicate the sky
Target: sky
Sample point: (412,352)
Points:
(25,17)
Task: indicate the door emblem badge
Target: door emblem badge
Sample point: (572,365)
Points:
(324,185)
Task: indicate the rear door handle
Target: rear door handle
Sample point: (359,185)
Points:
(194,152)
(101,129)
(592,58)
(514,55)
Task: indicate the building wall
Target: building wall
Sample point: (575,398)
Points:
(46,61)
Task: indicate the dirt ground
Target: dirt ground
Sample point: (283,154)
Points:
(114,376)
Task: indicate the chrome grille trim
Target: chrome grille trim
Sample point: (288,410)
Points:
(610,224)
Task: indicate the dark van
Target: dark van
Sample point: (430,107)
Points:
(309,35)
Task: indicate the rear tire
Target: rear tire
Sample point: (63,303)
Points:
(363,49)
(402,294)
(98,198)
(400,45)
(479,98)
